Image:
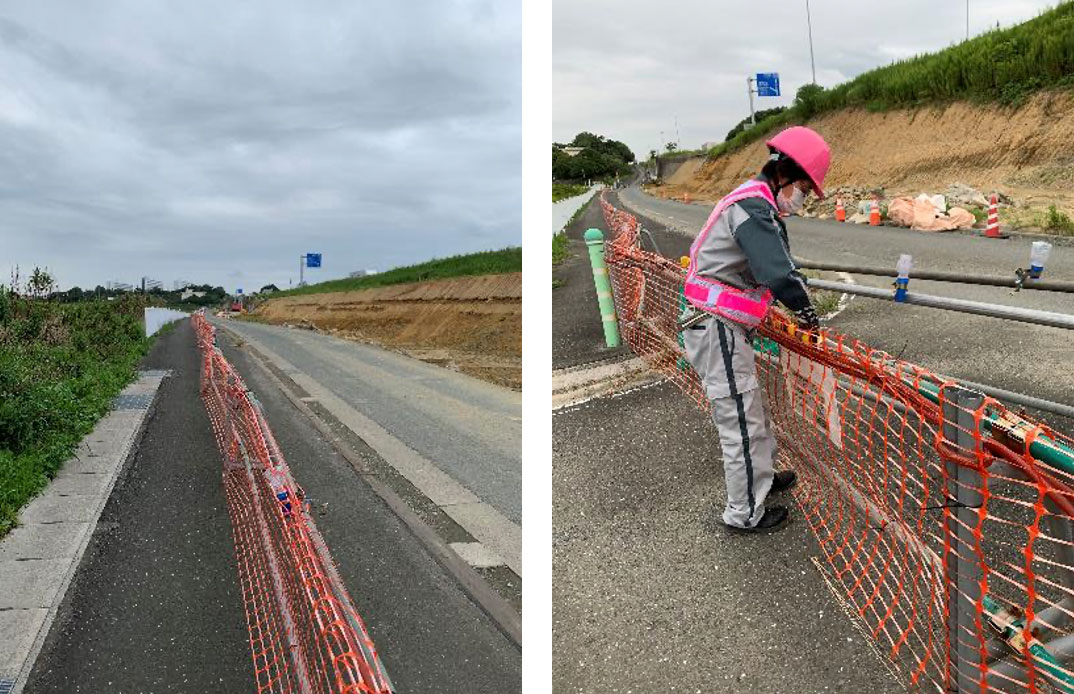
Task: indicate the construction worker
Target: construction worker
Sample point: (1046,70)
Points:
(739,263)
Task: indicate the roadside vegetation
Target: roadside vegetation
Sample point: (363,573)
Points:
(61,365)
(599,159)
(1001,66)
(562,191)
(483,263)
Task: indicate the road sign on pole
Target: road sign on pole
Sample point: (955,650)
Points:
(767,84)
(313,260)
(239,291)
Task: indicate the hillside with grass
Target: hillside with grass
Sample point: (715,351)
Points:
(995,112)
(468,265)
(462,312)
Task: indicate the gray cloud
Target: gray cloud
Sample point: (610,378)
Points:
(628,70)
(217,141)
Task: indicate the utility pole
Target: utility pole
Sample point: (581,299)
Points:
(809,23)
(678,140)
(967,20)
(749,90)
(301,268)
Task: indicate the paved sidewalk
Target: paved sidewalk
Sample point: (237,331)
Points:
(649,590)
(39,558)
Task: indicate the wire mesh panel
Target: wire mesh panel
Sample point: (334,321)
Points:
(945,518)
(305,635)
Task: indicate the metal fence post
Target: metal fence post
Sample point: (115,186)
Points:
(963,567)
(594,238)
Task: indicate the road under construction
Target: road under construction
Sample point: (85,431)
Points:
(787,595)
(188,584)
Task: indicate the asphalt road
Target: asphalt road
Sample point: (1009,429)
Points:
(155,605)
(1024,358)
(471,429)
(651,593)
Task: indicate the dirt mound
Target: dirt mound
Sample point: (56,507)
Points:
(470,324)
(1026,153)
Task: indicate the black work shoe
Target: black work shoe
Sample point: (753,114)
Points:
(774,516)
(784,479)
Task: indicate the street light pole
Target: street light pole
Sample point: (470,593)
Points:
(967,20)
(809,23)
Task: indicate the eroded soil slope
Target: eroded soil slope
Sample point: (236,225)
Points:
(470,324)
(1027,153)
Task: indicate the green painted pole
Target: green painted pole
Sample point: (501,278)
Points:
(595,240)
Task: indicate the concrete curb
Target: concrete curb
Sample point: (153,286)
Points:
(39,559)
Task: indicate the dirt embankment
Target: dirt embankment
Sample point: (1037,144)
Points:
(1025,153)
(470,324)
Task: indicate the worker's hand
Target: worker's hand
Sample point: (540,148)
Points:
(807,318)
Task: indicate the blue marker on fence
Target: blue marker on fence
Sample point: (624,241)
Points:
(902,281)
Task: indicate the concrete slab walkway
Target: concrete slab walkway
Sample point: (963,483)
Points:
(39,558)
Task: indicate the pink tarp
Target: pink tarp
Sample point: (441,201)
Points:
(923,215)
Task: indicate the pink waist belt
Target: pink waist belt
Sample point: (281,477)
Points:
(747,307)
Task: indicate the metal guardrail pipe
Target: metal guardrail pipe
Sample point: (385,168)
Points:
(939,276)
(1022,315)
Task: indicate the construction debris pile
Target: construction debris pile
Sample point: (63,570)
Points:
(926,212)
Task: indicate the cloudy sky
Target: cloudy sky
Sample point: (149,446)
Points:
(627,69)
(216,142)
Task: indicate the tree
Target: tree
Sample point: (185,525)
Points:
(41,284)
(807,100)
(671,146)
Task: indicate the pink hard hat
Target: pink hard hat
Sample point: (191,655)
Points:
(808,150)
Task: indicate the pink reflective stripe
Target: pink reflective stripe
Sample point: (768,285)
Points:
(742,304)
(749,189)
(697,293)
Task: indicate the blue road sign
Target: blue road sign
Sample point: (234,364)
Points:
(767,84)
(313,260)
(240,291)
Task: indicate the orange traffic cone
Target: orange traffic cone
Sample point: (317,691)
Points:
(992,230)
(874,214)
(840,212)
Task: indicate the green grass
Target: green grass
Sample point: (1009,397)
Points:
(60,367)
(1058,222)
(1003,66)
(560,244)
(561,191)
(484,263)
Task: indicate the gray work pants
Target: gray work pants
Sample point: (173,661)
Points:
(722,354)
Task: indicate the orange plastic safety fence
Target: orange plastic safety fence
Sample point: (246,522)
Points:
(305,635)
(947,519)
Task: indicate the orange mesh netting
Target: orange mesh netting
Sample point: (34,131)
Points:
(944,517)
(305,635)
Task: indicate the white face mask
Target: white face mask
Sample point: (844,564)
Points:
(794,204)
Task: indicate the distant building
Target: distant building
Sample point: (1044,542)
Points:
(268,289)
(362,273)
(149,284)
(187,293)
(180,284)
(114,286)
(573,151)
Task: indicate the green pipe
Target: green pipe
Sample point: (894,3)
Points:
(1045,660)
(595,240)
(1043,448)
